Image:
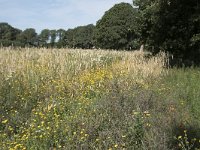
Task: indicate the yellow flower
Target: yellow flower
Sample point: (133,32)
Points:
(136,113)
(146,113)
(97,139)
(116,145)
(179,137)
(5,121)
(123,136)
(194,139)
(148,124)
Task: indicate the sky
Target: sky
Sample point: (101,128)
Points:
(53,14)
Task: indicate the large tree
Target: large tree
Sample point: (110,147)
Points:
(44,37)
(8,34)
(68,38)
(80,37)
(53,36)
(83,36)
(61,38)
(117,29)
(28,37)
(172,26)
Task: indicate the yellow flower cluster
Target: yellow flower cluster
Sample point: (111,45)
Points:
(49,95)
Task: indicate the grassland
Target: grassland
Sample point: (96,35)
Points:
(88,99)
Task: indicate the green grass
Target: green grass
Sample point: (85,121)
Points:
(185,85)
(180,88)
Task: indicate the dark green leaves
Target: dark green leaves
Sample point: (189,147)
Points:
(117,28)
(172,26)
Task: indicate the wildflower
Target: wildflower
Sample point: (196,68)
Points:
(194,139)
(146,113)
(123,144)
(116,145)
(135,113)
(179,137)
(123,136)
(10,128)
(5,121)
(182,103)
(97,140)
(148,124)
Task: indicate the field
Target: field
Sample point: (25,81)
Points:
(95,99)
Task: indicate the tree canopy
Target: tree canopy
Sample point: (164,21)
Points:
(117,28)
(172,26)
(8,34)
(28,37)
(80,37)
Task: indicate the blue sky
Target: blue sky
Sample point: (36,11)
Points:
(53,14)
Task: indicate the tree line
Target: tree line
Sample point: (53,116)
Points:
(169,25)
(80,37)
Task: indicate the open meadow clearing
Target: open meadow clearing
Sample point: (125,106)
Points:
(96,99)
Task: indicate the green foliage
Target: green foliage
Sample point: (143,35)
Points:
(8,34)
(28,37)
(117,28)
(172,26)
(184,143)
(184,86)
(61,35)
(53,35)
(80,37)
(69,38)
(44,37)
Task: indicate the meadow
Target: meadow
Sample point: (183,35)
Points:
(53,99)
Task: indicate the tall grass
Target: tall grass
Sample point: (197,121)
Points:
(86,99)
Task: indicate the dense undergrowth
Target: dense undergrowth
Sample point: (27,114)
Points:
(73,99)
